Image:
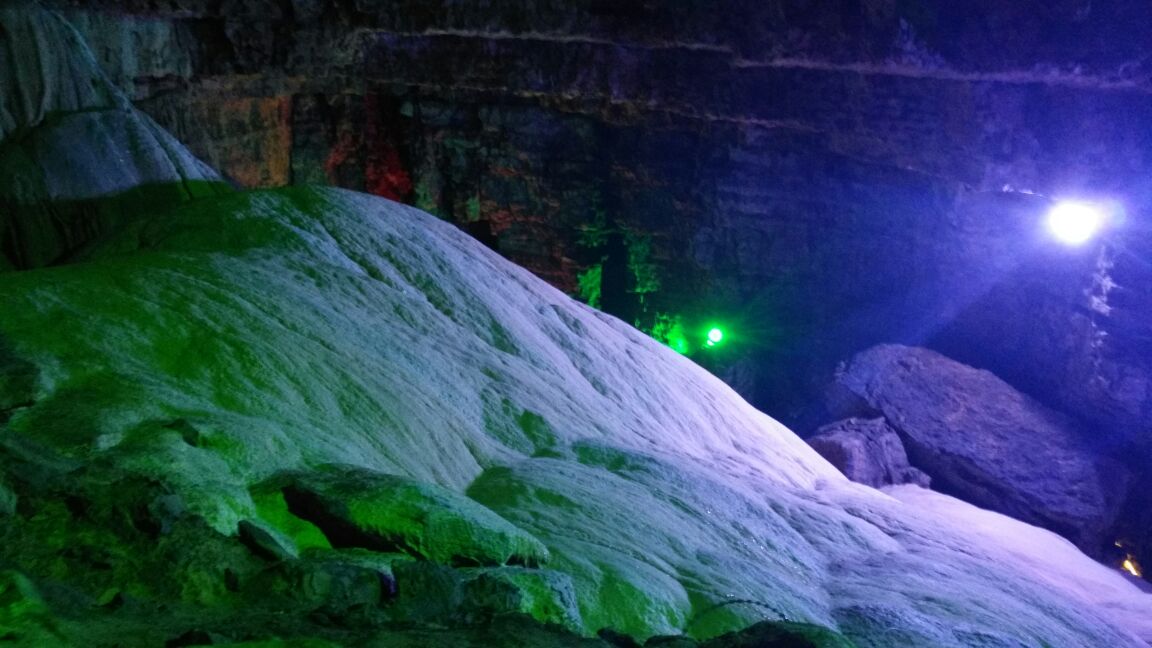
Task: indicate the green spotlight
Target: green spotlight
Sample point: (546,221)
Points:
(715,336)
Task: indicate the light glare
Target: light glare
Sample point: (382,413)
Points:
(1073,222)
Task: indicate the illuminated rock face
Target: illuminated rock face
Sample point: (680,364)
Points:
(987,443)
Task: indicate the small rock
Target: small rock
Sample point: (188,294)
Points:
(867,451)
(546,595)
(265,542)
(329,584)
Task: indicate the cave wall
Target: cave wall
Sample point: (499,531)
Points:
(818,176)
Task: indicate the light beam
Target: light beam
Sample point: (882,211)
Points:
(1074,223)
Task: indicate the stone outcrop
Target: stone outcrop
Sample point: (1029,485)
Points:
(355,507)
(867,451)
(987,443)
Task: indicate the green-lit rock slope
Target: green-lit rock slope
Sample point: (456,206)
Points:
(324,417)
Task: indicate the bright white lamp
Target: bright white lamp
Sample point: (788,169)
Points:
(1074,223)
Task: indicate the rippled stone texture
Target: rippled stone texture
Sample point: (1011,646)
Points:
(744,156)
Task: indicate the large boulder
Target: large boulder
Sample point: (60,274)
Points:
(987,443)
(867,451)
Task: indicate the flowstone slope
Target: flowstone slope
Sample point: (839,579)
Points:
(314,414)
(225,389)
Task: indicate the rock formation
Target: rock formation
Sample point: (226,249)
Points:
(987,443)
(677,163)
(867,451)
(317,417)
(70,136)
